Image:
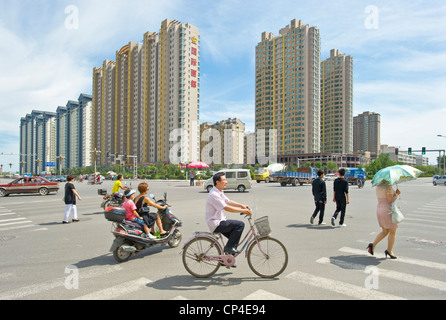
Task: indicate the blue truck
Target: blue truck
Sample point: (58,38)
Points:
(303,175)
(355,176)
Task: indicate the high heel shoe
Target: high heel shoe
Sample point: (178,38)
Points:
(370,248)
(388,254)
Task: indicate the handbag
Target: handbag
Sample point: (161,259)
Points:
(397,215)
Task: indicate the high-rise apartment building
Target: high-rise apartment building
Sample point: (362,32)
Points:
(104,83)
(37,141)
(149,97)
(367,133)
(223,142)
(288,89)
(337,103)
(63,137)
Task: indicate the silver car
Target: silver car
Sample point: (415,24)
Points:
(440,181)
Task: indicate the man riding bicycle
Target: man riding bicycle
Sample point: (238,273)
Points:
(216,204)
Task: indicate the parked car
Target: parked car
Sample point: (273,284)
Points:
(61,179)
(238,179)
(440,181)
(51,178)
(29,185)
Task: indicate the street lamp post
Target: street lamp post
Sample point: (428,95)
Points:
(444,158)
(22,164)
(60,158)
(38,161)
(95,153)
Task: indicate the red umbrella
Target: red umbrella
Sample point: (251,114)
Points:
(198,165)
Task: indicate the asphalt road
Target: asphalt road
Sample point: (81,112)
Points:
(43,259)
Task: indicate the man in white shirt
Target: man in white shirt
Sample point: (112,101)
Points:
(216,204)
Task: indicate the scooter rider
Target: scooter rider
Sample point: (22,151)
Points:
(216,204)
(117,186)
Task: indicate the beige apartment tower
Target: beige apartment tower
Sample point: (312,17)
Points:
(147,101)
(223,142)
(288,89)
(337,103)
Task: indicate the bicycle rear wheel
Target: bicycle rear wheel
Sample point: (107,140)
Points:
(268,258)
(195,257)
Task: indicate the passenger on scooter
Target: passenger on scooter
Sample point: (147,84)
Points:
(132,215)
(143,189)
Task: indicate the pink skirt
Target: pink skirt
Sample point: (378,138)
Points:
(384,218)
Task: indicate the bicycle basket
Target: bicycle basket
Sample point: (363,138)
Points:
(262,225)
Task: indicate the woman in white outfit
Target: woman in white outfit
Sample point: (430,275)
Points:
(70,200)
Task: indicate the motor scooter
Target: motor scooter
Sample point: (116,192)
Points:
(114,199)
(130,237)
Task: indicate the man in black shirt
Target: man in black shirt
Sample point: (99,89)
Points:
(320,197)
(340,196)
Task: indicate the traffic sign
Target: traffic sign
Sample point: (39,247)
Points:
(50,164)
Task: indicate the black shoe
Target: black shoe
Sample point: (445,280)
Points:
(232,251)
(370,248)
(388,254)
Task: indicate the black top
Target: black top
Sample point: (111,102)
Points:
(319,190)
(70,197)
(340,188)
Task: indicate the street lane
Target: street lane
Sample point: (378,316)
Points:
(35,259)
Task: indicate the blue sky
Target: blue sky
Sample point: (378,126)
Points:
(399,51)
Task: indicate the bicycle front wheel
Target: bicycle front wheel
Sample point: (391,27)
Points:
(268,258)
(196,257)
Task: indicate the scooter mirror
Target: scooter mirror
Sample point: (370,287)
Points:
(165,196)
(151,195)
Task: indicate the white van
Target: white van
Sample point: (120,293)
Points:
(238,179)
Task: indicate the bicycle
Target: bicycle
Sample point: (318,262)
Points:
(267,257)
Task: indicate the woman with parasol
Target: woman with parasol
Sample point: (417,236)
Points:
(383,181)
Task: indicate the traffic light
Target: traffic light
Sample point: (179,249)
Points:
(423,150)
(125,156)
(108,154)
(396,151)
(409,152)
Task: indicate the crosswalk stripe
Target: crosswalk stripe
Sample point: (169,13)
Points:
(405,277)
(264,295)
(116,291)
(55,283)
(17,227)
(9,220)
(7,214)
(422,263)
(341,287)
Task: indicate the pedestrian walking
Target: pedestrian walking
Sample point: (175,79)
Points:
(70,200)
(192,179)
(386,196)
(340,196)
(320,197)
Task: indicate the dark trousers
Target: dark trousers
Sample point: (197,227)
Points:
(320,208)
(341,205)
(231,229)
